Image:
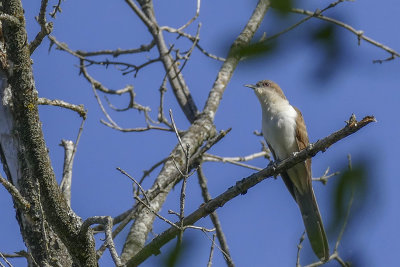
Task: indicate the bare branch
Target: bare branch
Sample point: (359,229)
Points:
(360,34)
(138,184)
(24,204)
(214,218)
(189,52)
(209,144)
(66,181)
(176,131)
(324,178)
(236,160)
(242,186)
(5,260)
(96,85)
(126,67)
(147,172)
(211,251)
(194,40)
(299,247)
(159,216)
(45,28)
(56,8)
(178,84)
(161,117)
(118,52)
(229,65)
(140,14)
(194,18)
(316,13)
(80,109)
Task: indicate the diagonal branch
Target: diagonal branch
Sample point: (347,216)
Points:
(226,71)
(45,27)
(360,34)
(214,218)
(243,185)
(19,199)
(316,13)
(175,78)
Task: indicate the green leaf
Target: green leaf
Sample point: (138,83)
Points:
(282,6)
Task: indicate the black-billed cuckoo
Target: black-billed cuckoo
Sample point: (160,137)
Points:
(285,132)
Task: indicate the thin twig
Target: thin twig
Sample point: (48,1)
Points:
(189,53)
(138,184)
(176,131)
(125,67)
(235,160)
(192,39)
(194,17)
(299,247)
(147,172)
(185,175)
(360,34)
(14,192)
(45,28)
(214,218)
(324,178)
(56,8)
(317,12)
(118,52)
(5,260)
(211,251)
(158,215)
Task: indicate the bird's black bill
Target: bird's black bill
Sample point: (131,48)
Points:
(252,86)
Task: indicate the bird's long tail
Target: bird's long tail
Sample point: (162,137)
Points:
(313,223)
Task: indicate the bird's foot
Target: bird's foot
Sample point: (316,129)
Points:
(272,164)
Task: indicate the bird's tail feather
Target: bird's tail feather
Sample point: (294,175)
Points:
(313,223)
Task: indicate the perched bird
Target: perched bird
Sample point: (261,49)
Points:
(285,132)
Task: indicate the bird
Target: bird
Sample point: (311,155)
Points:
(285,132)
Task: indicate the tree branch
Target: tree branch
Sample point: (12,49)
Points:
(80,109)
(178,84)
(360,34)
(45,28)
(214,218)
(229,65)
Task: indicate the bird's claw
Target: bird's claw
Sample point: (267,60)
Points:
(272,164)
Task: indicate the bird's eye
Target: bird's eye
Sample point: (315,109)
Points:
(266,84)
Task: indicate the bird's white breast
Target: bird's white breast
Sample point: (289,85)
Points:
(279,128)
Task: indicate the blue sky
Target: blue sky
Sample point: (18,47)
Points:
(263,226)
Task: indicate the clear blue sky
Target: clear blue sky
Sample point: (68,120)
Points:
(262,227)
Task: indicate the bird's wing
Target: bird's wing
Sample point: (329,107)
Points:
(305,196)
(303,169)
(284,175)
